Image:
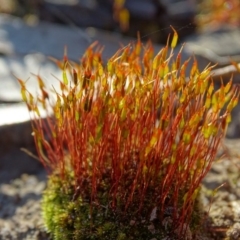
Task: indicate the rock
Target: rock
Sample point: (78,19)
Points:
(220,46)
(84,14)
(24,68)
(234,126)
(50,39)
(180,14)
(144,9)
(43,40)
(234,232)
(15,128)
(14,162)
(149,17)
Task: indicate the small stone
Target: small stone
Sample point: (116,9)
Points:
(151,228)
(186,230)
(167,222)
(234,232)
(144,10)
(153,214)
(132,222)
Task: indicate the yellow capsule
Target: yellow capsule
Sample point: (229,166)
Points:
(65,79)
(175,38)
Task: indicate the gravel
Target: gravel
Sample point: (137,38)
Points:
(20,211)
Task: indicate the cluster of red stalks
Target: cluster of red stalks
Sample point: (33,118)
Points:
(138,120)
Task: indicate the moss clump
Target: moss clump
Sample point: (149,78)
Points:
(139,136)
(70,215)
